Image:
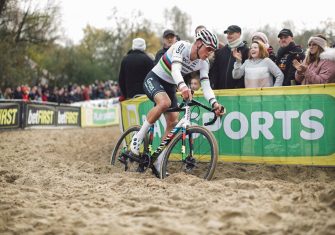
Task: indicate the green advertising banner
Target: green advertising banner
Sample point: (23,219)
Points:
(291,125)
(99,116)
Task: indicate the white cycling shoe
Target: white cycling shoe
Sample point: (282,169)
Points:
(135,145)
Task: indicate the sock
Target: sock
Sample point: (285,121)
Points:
(144,129)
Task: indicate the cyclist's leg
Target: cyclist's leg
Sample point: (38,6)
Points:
(155,92)
(171,121)
(172,117)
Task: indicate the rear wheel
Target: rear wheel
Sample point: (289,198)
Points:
(124,159)
(200,155)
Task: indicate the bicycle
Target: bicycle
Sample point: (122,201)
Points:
(191,149)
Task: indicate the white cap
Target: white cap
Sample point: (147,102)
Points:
(139,44)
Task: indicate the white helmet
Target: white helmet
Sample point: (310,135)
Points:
(208,38)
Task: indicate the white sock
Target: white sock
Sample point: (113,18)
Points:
(159,161)
(144,129)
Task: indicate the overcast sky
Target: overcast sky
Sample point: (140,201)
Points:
(214,14)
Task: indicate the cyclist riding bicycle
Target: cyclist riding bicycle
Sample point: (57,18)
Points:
(161,82)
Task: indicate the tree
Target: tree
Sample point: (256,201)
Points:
(21,26)
(179,21)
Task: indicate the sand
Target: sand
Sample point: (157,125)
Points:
(60,182)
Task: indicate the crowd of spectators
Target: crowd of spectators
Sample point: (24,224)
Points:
(66,94)
(234,65)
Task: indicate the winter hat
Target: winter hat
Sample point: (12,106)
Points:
(139,44)
(261,36)
(319,41)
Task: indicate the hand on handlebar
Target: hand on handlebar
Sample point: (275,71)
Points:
(219,109)
(186,93)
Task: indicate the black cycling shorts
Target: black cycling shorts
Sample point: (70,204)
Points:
(154,84)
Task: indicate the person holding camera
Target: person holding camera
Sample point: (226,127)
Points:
(287,52)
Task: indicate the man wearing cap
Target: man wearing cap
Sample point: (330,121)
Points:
(169,38)
(287,52)
(134,68)
(221,72)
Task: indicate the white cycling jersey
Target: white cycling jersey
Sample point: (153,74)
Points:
(180,52)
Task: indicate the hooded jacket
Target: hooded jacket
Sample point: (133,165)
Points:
(319,73)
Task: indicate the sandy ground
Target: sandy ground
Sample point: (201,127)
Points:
(60,182)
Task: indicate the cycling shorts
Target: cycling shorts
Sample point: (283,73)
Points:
(153,85)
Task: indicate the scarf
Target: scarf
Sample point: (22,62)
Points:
(235,44)
(284,50)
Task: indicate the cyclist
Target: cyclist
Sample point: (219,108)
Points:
(161,82)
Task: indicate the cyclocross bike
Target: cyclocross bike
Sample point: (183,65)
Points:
(190,148)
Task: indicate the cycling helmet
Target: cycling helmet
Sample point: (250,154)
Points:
(208,38)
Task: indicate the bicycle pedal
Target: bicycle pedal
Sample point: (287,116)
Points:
(122,159)
(140,169)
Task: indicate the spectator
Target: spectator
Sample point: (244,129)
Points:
(25,93)
(17,93)
(258,69)
(195,83)
(134,68)
(287,52)
(221,71)
(87,92)
(53,95)
(259,36)
(45,95)
(33,93)
(169,38)
(8,94)
(319,64)
(1,95)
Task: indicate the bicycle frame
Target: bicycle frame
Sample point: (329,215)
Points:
(181,125)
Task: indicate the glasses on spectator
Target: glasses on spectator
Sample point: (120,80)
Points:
(312,44)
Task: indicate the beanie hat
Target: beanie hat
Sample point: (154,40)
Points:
(261,36)
(139,44)
(319,41)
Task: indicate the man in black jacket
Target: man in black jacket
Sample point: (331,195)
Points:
(134,68)
(287,52)
(221,71)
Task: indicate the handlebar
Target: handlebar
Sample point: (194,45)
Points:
(193,102)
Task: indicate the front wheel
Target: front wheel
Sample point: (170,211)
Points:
(199,157)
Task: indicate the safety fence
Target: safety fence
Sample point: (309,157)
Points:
(285,125)
(19,114)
